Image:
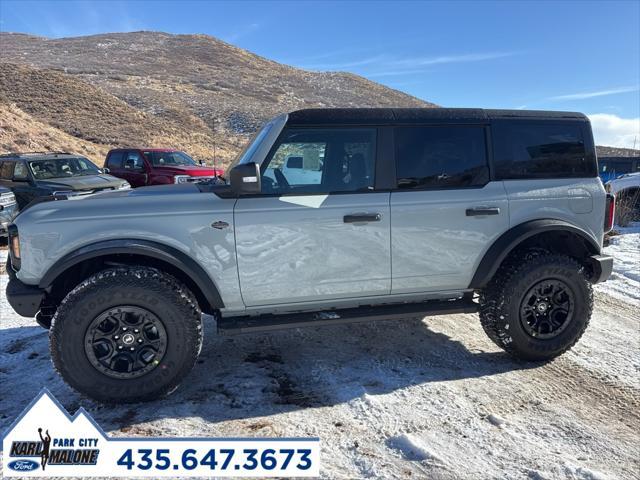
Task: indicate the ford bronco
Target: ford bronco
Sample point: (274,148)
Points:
(327,216)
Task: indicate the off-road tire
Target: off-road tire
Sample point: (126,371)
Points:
(143,287)
(500,304)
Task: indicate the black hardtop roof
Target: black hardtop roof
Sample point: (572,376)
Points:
(38,155)
(328,116)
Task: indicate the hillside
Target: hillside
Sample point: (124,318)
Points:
(19,131)
(157,89)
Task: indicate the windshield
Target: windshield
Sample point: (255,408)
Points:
(161,159)
(249,148)
(63,168)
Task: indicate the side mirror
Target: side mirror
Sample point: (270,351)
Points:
(201,163)
(106,170)
(245,179)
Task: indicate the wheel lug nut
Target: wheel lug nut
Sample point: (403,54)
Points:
(116,337)
(136,330)
(119,347)
(132,349)
(139,340)
(124,329)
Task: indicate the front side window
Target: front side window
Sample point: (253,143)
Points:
(62,168)
(309,160)
(133,161)
(539,150)
(169,159)
(440,157)
(20,172)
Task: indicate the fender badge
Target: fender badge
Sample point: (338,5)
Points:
(219,225)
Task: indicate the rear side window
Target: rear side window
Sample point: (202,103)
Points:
(441,157)
(540,150)
(6,170)
(115,160)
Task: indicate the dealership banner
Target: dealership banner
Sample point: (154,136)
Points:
(45,441)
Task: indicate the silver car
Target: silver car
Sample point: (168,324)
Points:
(382,213)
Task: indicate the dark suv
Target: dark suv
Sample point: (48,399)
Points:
(36,175)
(156,166)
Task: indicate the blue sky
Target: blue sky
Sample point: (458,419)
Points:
(575,55)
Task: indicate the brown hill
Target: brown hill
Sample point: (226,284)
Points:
(189,91)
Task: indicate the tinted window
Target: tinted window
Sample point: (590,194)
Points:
(309,160)
(20,172)
(169,158)
(133,161)
(440,157)
(6,170)
(115,160)
(540,150)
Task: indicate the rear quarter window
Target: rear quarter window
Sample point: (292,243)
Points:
(525,150)
(114,160)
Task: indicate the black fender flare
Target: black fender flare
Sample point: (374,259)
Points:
(513,237)
(179,260)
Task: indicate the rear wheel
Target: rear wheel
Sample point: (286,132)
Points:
(126,334)
(537,306)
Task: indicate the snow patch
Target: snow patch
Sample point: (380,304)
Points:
(496,420)
(624,282)
(414,449)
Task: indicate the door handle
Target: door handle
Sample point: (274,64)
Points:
(477,211)
(362,217)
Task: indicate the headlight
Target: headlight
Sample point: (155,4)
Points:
(181,179)
(7,199)
(125,186)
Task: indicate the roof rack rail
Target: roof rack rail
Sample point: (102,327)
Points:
(17,154)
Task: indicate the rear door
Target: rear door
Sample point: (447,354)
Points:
(445,211)
(319,230)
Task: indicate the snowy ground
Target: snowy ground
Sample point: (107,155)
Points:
(424,398)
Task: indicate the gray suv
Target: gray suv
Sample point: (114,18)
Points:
(328,216)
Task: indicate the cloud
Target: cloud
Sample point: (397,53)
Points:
(388,65)
(469,57)
(599,93)
(341,66)
(614,131)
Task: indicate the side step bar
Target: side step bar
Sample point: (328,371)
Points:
(267,323)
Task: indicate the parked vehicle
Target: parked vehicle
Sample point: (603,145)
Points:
(8,210)
(154,166)
(38,175)
(627,191)
(417,212)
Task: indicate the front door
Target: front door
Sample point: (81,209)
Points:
(445,210)
(319,230)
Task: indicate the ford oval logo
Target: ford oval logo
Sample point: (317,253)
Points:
(23,465)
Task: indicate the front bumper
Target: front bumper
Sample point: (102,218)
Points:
(601,266)
(24,299)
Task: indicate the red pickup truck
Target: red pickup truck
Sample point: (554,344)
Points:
(156,166)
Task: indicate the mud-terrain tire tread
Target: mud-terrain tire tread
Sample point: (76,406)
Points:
(152,280)
(501,292)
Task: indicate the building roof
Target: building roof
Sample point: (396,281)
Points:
(355,116)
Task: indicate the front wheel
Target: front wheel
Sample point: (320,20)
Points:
(537,306)
(126,334)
